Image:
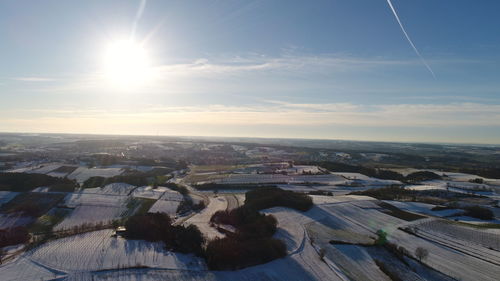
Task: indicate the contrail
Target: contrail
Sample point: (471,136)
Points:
(409,39)
(138,16)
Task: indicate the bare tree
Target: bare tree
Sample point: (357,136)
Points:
(421,253)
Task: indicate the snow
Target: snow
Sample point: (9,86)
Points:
(13,220)
(352,176)
(278,178)
(355,262)
(322,199)
(304,265)
(172,195)
(164,206)
(6,196)
(75,199)
(98,250)
(423,208)
(83,173)
(23,270)
(90,214)
(202,219)
(296,188)
(467,235)
(41,189)
(57,175)
(45,169)
(112,189)
(299,169)
(148,192)
(458,265)
(472,220)
(93,208)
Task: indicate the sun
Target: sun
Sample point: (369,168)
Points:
(126,64)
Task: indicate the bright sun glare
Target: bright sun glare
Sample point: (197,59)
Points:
(126,64)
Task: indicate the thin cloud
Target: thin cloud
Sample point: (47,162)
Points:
(286,114)
(33,79)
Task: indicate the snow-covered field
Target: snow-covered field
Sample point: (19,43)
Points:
(14,219)
(459,265)
(296,188)
(459,187)
(277,178)
(98,250)
(352,176)
(355,262)
(23,269)
(75,199)
(6,196)
(423,208)
(46,168)
(83,173)
(301,266)
(172,195)
(164,206)
(32,168)
(202,219)
(90,214)
(466,235)
(111,189)
(320,199)
(94,208)
(148,192)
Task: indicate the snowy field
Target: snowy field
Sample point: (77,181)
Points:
(94,207)
(90,214)
(457,264)
(272,178)
(352,176)
(301,266)
(98,250)
(13,220)
(47,169)
(423,208)
(6,196)
(202,219)
(83,173)
(23,269)
(296,188)
(459,187)
(320,199)
(450,230)
(75,199)
(149,192)
(122,189)
(355,262)
(38,169)
(172,195)
(164,206)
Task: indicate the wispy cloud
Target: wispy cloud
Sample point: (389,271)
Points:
(292,114)
(464,122)
(34,79)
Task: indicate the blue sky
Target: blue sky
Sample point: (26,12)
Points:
(337,69)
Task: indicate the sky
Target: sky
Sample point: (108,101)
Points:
(323,69)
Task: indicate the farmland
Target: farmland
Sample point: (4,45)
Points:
(68,218)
